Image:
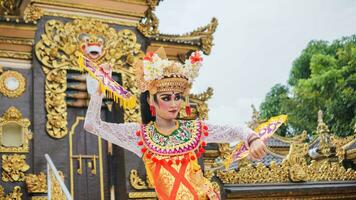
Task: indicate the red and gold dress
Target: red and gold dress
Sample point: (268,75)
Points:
(170,161)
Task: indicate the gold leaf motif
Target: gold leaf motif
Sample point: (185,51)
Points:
(32,13)
(14,167)
(36,183)
(57,193)
(14,195)
(136,182)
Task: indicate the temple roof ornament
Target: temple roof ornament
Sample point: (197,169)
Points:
(201,37)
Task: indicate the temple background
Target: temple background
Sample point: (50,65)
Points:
(43,100)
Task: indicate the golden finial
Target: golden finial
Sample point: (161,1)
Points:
(255,121)
(322,128)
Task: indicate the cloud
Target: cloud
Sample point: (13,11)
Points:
(255,44)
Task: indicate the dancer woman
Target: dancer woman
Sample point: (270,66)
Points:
(169,147)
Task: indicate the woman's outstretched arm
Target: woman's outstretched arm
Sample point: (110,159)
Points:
(122,135)
(229,134)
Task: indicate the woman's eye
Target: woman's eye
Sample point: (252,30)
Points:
(165,98)
(178,97)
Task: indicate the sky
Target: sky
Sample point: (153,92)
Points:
(255,44)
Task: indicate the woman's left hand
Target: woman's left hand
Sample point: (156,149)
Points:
(257,149)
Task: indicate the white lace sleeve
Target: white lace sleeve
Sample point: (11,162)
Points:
(227,133)
(123,135)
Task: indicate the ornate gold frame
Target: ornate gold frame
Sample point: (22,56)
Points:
(15,93)
(12,115)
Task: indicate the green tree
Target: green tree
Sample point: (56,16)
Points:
(322,77)
(273,104)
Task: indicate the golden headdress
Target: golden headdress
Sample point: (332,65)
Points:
(155,73)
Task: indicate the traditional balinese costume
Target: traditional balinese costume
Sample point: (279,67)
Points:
(170,161)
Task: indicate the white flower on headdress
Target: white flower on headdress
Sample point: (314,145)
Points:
(154,66)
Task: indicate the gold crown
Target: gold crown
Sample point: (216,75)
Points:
(155,73)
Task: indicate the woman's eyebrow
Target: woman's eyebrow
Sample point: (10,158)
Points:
(165,95)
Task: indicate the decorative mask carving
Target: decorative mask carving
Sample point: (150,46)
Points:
(59,49)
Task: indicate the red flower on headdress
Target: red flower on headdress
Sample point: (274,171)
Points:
(195,57)
(148,56)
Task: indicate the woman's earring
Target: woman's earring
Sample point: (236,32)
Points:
(188,110)
(152,110)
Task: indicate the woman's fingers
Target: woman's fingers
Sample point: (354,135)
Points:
(258,150)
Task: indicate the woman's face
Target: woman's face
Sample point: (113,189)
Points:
(168,105)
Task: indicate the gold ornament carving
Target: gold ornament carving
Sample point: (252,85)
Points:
(340,143)
(143,195)
(324,136)
(297,163)
(7,7)
(19,41)
(57,193)
(137,183)
(14,167)
(80,17)
(255,120)
(152,3)
(148,26)
(32,13)
(36,183)
(58,51)
(12,115)
(202,36)
(296,166)
(204,96)
(2,193)
(15,76)
(208,30)
(201,110)
(16,194)
(39,198)
(293,168)
(15,55)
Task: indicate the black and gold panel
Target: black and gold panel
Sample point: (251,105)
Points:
(15,126)
(93,169)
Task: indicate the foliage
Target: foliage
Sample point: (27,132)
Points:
(323,78)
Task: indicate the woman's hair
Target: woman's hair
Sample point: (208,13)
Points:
(145,108)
